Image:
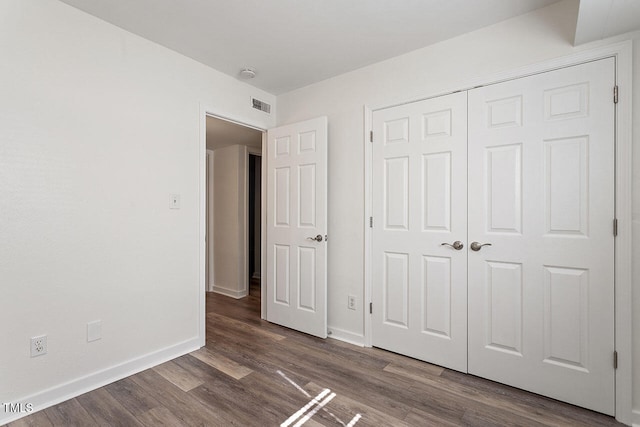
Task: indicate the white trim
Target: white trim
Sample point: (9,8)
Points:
(636,419)
(233,293)
(209,221)
(346,336)
(202,226)
(368,212)
(623,242)
(243,233)
(211,112)
(263,229)
(622,51)
(60,393)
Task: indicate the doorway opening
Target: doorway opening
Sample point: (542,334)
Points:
(254,198)
(233,211)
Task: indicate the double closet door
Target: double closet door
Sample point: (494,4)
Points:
(493,245)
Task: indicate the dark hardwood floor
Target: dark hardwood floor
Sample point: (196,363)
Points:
(253,373)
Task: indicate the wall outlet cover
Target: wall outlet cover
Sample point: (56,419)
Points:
(94,330)
(351,304)
(38,346)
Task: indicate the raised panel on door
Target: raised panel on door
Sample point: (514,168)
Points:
(307,196)
(503,195)
(395,293)
(281,281)
(436,198)
(436,296)
(396,193)
(419,203)
(296,279)
(566,171)
(503,307)
(307,278)
(566,315)
(541,187)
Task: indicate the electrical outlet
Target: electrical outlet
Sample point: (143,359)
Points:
(38,346)
(352,302)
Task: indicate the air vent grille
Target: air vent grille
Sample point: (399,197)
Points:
(261,105)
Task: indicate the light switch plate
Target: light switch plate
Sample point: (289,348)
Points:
(174,201)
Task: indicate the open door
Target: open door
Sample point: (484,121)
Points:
(296,162)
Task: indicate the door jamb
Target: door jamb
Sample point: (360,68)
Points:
(368,213)
(263,229)
(622,52)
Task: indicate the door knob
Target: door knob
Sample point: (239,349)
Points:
(475,246)
(457,245)
(318,238)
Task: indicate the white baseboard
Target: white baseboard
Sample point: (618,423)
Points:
(636,418)
(229,292)
(60,393)
(346,336)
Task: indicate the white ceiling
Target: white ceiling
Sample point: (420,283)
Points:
(599,19)
(293,43)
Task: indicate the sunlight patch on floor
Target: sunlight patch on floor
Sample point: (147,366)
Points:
(305,413)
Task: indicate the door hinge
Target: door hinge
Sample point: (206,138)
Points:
(370,308)
(370,222)
(370,136)
(615,94)
(615,227)
(615,360)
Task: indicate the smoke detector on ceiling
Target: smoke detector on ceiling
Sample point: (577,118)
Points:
(247,73)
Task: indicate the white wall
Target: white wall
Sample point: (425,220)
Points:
(229,234)
(97,128)
(529,39)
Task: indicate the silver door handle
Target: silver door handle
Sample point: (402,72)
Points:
(475,246)
(457,245)
(318,238)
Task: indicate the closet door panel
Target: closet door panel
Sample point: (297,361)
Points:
(541,188)
(419,203)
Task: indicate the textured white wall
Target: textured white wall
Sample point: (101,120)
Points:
(229,221)
(97,128)
(528,39)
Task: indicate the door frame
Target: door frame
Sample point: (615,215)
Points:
(622,52)
(204,112)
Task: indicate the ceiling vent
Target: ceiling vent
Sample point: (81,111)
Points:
(261,105)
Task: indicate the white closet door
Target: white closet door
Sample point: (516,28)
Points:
(419,202)
(297,226)
(541,192)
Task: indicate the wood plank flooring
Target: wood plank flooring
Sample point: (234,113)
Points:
(252,373)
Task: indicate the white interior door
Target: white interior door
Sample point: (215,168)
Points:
(297,226)
(419,205)
(541,192)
